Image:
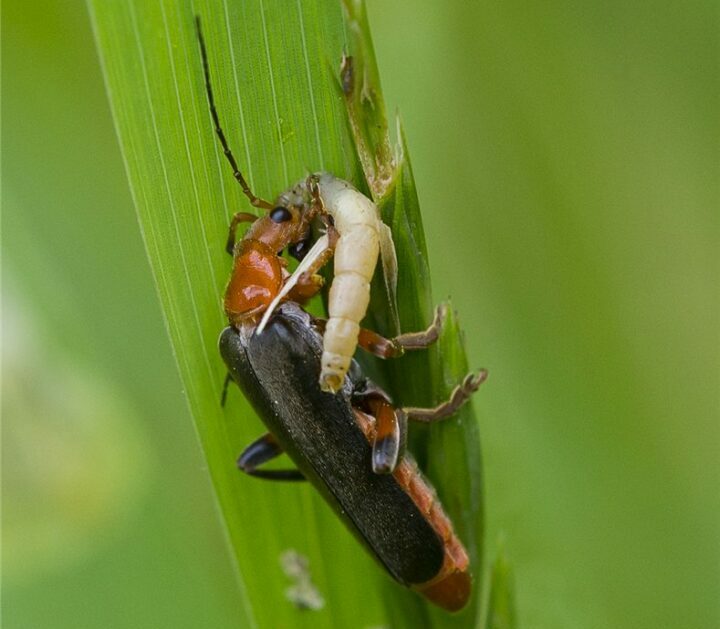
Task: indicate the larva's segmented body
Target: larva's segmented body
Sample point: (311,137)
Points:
(359,237)
(358,224)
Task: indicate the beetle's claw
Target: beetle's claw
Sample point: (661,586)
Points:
(473,381)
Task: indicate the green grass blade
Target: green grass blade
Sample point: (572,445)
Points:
(271,64)
(274,68)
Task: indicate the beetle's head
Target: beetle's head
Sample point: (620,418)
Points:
(284,226)
(288,223)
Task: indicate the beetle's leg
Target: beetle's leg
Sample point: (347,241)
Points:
(306,287)
(388,439)
(394,348)
(390,429)
(421,340)
(458,397)
(254,201)
(226,385)
(239,217)
(261,451)
(313,185)
(379,345)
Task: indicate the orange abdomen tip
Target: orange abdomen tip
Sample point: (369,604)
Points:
(255,281)
(451,592)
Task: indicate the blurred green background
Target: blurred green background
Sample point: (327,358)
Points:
(566,156)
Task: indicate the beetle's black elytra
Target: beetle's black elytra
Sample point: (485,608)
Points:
(320,434)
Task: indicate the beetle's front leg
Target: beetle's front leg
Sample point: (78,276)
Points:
(461,394)
(261,451)
(239,217)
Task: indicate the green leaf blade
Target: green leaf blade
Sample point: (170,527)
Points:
(184,193)
(274,72)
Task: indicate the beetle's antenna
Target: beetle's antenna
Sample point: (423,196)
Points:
(254,201)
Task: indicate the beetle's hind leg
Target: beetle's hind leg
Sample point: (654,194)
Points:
(461,394)
(390,431)
(389,435)
(394,348)
(261,451)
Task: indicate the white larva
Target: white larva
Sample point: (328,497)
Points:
(361,237)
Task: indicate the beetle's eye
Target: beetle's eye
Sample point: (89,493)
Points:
(280,215)
(299,249)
